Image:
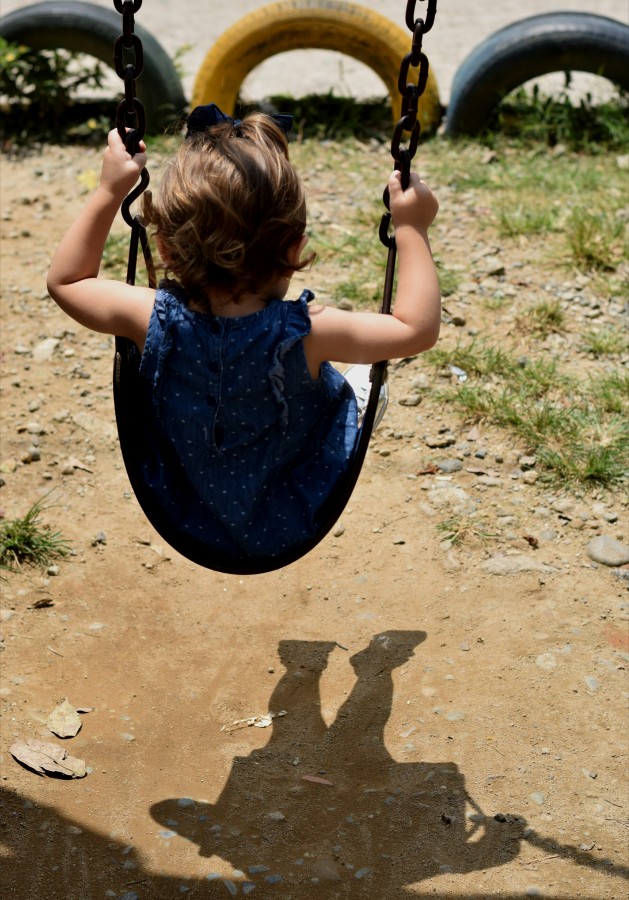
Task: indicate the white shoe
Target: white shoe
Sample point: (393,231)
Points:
(358,379)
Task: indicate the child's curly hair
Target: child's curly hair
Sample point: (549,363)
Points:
(229,208)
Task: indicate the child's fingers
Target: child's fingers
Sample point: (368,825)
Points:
(116,144)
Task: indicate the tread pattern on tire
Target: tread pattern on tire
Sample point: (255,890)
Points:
(529,48)
(85,28)
(305,24)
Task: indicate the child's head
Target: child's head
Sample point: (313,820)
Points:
(230,209)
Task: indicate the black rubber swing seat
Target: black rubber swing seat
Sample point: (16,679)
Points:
(151,464)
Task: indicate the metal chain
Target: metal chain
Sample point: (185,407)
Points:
(131,125)
(409,123)
(402,156)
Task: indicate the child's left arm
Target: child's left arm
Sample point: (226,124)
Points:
(104,305)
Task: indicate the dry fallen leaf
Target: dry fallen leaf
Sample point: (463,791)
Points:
(257,721)
(64,721)
(316,779)
(47,759)
(42,604)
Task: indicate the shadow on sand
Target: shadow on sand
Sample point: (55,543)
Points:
(317,812)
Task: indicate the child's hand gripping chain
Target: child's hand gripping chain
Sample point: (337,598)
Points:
(104,305)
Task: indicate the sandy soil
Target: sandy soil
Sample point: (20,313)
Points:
(465,730)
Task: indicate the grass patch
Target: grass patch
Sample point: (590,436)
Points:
(449,280)
(544,318)
(605,342)
(28,541)
(515,219)
(460,529)
(478,357)
(577,428)
(531,116)
(593,238)
(326,116)
(116,255)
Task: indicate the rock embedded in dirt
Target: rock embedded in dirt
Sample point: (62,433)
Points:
(449,465)
(44,351)
(514,565)
(410,400)
(439,441)
(608,551)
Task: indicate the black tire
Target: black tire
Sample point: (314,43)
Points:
(554,42)
(86,28)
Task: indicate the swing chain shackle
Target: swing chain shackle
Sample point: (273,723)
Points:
(408,124)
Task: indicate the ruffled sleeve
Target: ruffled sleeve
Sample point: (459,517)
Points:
(158,344)
(296,327)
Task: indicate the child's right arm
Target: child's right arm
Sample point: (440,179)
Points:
(104,305)
(362,337)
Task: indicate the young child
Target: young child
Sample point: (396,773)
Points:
(237,379)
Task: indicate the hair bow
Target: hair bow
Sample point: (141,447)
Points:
(203,117)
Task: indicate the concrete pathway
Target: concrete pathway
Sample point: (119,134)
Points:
(460,26)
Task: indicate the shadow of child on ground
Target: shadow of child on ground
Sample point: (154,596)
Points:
(366,826)
(320,805)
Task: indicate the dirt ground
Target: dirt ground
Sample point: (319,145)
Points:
(438,729)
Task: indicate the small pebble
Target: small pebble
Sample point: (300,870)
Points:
(276,817)
(450,465)
(410,400)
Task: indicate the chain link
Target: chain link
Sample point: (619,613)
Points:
(131,125)
(408,124)
(129,64)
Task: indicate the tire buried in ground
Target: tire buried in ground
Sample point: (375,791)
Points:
(86,28)
(539,45)
(307,24)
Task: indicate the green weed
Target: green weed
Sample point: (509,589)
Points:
(476,358)
(27,541)
(531,116)
(38,88)
(609,392)
(115,256)
(459,529)
(593,238)
(449,280)
(605,342)
(517,218)
(543,319)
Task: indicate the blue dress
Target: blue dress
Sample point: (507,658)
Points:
(257,445)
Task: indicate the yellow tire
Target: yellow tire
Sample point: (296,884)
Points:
(304,24)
